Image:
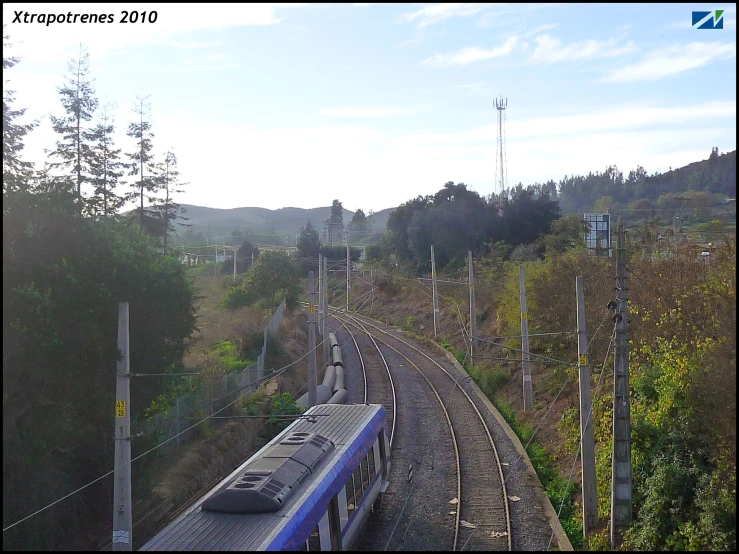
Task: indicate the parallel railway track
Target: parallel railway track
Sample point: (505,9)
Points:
(482,514)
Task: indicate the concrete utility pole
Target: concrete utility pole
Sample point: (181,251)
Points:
(122,469)
(587,444)
(348,270)
(528,400)
(321,285)
(215,261)
(313,378)
(435,292)
(324,324)
(621,471)
(235,263)
(473,313)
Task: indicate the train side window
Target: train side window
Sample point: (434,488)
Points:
(314,540)
(365,473)
(325,532)
(371,460)
(343,512)
(358,490)
(351,499)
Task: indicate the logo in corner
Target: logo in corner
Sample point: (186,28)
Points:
(708,20)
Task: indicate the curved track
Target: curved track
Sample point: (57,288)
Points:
(378,385)
(482,514)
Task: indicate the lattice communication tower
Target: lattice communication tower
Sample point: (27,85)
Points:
(501,164)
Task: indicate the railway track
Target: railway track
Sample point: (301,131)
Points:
(482,519)
(378,384)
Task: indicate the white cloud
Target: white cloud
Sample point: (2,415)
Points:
(672,60)
(365,112)
(437,13)
(550,50)
(470,55)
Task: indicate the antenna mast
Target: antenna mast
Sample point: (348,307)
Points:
(501,169)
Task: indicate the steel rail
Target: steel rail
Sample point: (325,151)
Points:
(477,411)
(448,419)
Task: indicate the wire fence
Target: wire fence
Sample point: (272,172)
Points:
(211,397)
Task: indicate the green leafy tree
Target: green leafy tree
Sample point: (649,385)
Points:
(63,276)
(272,272)
(566,232)
(106,167)
(359,223)
(309,244)
(79,102)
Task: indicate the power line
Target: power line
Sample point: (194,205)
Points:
(274,374)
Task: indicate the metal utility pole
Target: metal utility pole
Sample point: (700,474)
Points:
(312,378)
(324,324)
(435,292)
(621,471)
(473,313)
(528,400)
(348,270)
(122,468)
(587,444)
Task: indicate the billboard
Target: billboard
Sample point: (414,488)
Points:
(598,239)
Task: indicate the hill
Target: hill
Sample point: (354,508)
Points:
(262,221)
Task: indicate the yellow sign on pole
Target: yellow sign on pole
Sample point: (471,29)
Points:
(120,408)
(583,360)
(310,308)
(525,316)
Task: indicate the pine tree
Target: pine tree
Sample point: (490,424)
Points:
(169,180)
(106,168)
(79,102)
(15,171)
(142,160)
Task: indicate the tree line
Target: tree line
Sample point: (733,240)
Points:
(68,260)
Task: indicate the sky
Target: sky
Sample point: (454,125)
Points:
(295,105)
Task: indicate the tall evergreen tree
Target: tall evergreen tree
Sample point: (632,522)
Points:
(106,167)
(79,102)
(337,212)
(142,160)
(168,179)
(15,171)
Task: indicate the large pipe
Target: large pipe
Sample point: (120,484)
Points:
(338,398)
(323,393)
(329,377)
(339,383)
(332,340)
(336,353)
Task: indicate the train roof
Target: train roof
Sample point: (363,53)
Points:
(335,436)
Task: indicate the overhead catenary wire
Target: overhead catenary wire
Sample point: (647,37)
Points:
(266,379)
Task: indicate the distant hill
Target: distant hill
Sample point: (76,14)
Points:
(263,221)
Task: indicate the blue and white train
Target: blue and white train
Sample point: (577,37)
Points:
(311,488)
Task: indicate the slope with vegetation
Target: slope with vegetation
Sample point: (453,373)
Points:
(682,364)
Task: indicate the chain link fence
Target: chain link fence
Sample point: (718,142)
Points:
(211,397)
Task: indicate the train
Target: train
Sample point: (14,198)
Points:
(310,488)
